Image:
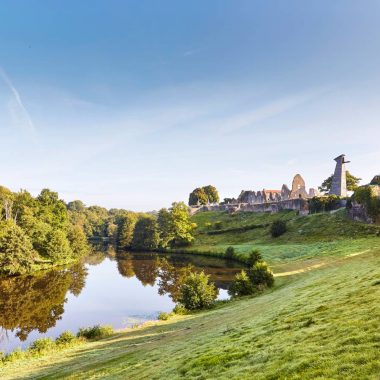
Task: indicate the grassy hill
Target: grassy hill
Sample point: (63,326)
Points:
(310,239)
(318,324)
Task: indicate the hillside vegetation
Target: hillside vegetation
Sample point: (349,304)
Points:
(320,324)
(315,324)
(309,240)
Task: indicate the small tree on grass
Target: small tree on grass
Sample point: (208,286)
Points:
(254,257)
(278,228)
(196,292)
(241,286)
(261,276)
(256,278)
(230,252)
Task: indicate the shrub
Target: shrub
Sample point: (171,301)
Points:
(66,338)
(179,310)
(163,316)
(241,286)
(41,345)
(261,276)
(323,204)
(95,332)
(278,228)
(218,225)
(14,355)
(196,292)
(230,252)
(208,225)
(254,257)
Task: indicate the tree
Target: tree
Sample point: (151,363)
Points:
(78,241)
(126,228)
(196,292)
(146,236)
(165,227)
(241,286)
(212,194)
(16,251)
(198,197)
(77,206)
(57,247)
(261,276)
(203,196)
(182,227)
(352,183)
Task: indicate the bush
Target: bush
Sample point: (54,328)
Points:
(41,345)
(261,276)
(254,257)
(163,316)
(218,225)
(241,286)
(196,292)
(324,204)
(179,310)
(95,332)
(278,228)
(230,252)
(66,338)
(14,355)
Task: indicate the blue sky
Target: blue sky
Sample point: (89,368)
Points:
(132,104)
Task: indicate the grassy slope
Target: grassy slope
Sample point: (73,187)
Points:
(322,323)
(310,239)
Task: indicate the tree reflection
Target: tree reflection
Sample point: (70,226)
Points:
(171,277)
(37,302)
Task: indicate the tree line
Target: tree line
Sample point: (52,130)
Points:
(40,231)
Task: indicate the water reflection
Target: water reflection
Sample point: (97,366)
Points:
(36,302)
(103,289)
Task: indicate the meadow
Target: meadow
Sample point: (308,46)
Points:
(315,324)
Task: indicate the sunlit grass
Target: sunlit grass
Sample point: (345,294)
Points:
(320,324)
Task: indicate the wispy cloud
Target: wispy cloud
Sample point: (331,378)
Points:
(19,113)
(189,53)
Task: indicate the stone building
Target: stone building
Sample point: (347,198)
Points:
(298,191)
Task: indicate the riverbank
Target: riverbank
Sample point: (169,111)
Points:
(321,323)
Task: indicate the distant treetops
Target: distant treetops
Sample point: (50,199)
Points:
(203,196)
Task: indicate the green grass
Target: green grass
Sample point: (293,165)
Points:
(316,324)
(320,324)
(310,239)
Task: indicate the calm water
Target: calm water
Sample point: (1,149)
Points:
(102,290)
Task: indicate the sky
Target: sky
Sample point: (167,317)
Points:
(133,104)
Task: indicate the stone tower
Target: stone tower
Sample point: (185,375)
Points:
(339,182)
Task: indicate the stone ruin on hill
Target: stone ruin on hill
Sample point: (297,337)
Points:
(298,191)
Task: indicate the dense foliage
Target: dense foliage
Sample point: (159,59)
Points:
(196,292)
(352,183)
(44,230)
(323,204)
(365,196)
(37,230)
(256,278)
(278,228)
(203,196)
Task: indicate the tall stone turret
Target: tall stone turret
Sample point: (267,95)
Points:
(339,182)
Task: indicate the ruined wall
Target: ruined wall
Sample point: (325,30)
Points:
(299,204)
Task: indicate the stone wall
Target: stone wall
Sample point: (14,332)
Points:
(299,204)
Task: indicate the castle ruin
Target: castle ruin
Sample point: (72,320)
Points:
(298,191)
